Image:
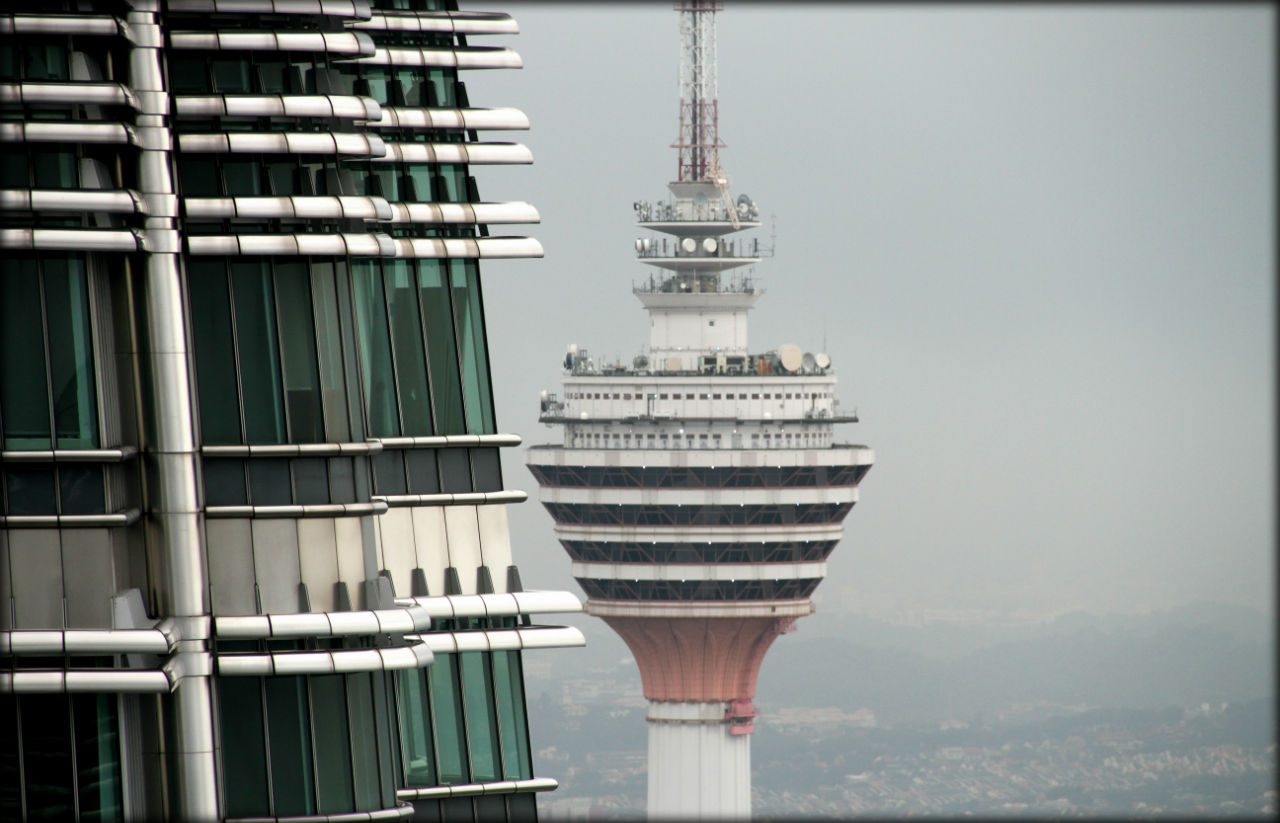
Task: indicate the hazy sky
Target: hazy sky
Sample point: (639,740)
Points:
(1038,243)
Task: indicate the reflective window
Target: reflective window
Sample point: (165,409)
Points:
(482,732)
(318,741)
(263,375)
(61,754)
(48,395)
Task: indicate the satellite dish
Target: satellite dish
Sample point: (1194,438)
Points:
(573,348)
(646,244)
(700,199)
(689,245)
(790,356)
(640,361)
(822,360)
(808,362)
(743,200)
(709,245)
(639,244)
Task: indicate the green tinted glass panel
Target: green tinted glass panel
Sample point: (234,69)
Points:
(80,489)
(30,489)
(420,177)
(512,724)
(364,742)
(441,88)
(214,352)
(329,346)
(259,352)
(442,348)
(97,757)
(378,82)
(242,178)
(244,754)
(10,775)
(482,731)
(377,374)
(415,729)
(75,401)
(47,770)
(333,747)
(24,387)
(298,336)
(55,169)
(46,62)
(198,176)
(446,720)
(15,170)
(452,183)
(289,730)
(469,319)
(231,76)
(406,337)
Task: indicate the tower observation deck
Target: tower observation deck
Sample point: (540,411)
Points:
(699,489)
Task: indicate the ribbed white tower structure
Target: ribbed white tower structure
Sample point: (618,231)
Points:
(699,489)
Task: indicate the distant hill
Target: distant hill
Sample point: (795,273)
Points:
(1185,656)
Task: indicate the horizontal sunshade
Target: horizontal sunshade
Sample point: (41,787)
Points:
(66,132)
(472,58)
(479,153)
(499,605)
(535,784)
(350,208)
(59,24)
(412,618)
(135,681)
(283,143)
(342,42)
(100,94)
(89,641)
(278,105)
(73,239)
(365,245)
(406,118)
(462,22)
(358,9)
(305,510)
(127,202)
(458,499)
(325,662)
(515,212)
(699,571)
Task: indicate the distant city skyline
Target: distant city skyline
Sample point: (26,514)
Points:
(1036,242)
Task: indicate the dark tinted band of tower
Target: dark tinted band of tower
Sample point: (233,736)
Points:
(695,515)
(698,477)
(601,551)
(714,590)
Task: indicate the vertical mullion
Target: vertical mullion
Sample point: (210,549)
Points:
(48,359)
(391,345)
(280,343)
(266,740)
(235,346)
(71,744)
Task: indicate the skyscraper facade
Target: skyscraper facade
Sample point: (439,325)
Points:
(254,554)
(700,488)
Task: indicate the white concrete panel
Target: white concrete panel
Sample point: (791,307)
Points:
(35,569)
(431,543)
(318,560)
(464,544)
(495,543)
(350,553)
(87,577)
(398,555)
(275,564)
(230,553)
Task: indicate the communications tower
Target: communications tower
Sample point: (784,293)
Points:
(699,489)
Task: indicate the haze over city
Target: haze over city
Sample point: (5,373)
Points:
(1037,244)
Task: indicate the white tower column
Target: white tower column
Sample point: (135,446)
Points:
(698,768)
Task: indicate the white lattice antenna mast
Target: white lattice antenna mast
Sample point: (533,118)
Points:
(699,140)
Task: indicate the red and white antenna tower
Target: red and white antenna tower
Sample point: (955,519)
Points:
(699,139)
